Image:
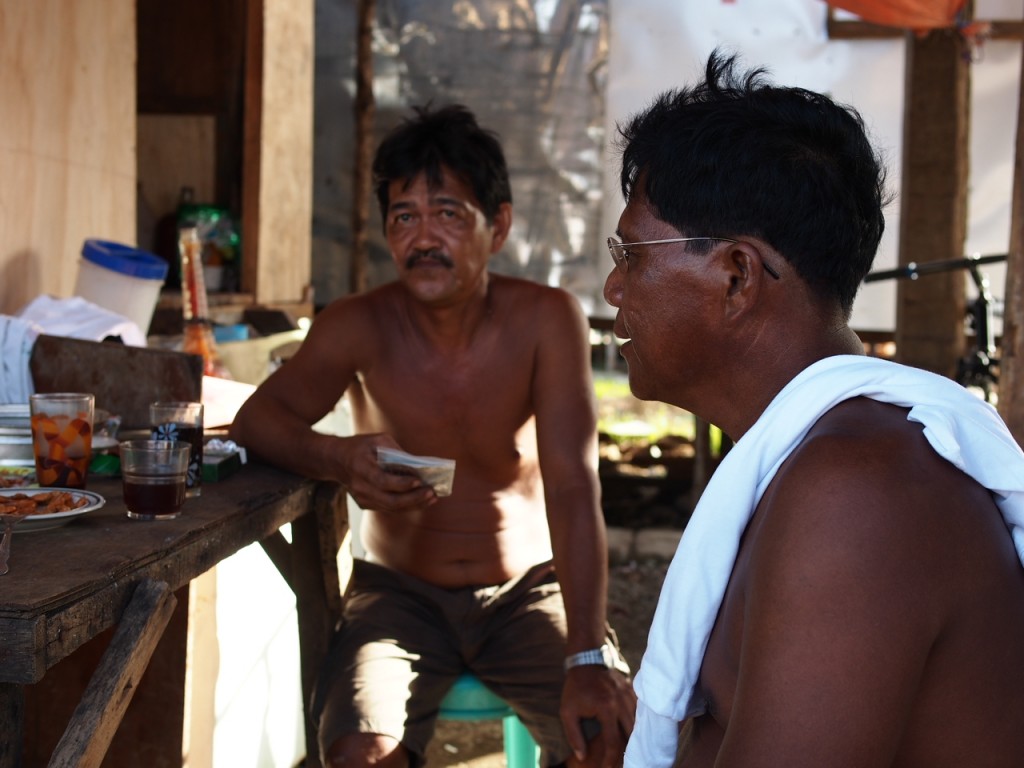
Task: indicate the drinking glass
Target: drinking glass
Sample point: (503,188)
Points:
(62,437)
(153,476)
(182,421)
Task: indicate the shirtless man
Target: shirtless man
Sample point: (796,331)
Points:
(493,372)
(847,596)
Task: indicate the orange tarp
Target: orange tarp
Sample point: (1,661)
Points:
(908,14)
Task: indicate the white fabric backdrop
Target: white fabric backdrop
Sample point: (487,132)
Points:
(658,44)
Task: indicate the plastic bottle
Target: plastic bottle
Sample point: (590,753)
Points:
(199,338)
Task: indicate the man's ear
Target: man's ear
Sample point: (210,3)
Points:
(501,226)
(744,265)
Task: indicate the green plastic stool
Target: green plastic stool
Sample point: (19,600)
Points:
(469,699)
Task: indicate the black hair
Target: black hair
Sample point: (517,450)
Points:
(446,138)
(735,155)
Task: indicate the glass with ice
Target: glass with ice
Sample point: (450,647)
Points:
(62,437)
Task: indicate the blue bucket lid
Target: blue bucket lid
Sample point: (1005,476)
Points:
(124,259)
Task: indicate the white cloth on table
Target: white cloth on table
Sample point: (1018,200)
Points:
(17,336)
(962,428)
(78,318)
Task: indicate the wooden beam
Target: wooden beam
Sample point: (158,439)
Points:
(1006,30)
(856,29)
(1011,366)
(112,686)
(279,551)
(252,143)
(933,215)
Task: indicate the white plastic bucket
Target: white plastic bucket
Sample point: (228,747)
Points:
(122,279)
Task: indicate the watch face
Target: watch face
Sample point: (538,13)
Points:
(613,660)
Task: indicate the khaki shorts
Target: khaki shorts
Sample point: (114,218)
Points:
(401,644)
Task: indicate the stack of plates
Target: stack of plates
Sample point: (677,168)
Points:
(15,435)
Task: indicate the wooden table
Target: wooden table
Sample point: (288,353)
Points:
(103,570)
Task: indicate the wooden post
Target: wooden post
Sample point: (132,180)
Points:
(1011,366)
(702,464)
(12,720)
(364,114)
(313,570)
(252,141)
(933,211)
(277,189)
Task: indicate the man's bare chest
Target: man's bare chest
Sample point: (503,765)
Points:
(470,397)
(720,668)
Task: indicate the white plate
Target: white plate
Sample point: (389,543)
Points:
(57,519)
(103,442)
(15,416)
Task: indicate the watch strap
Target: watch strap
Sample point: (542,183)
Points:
(606,656)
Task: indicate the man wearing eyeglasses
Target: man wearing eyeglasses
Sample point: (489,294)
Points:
(507,576)
(849,590)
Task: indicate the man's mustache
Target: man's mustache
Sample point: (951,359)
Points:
(434,255)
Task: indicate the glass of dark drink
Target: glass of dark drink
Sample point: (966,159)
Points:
(182,422)
(153,476)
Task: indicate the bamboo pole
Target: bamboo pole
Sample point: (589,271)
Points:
(364,109)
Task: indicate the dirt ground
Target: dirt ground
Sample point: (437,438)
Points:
(632,595)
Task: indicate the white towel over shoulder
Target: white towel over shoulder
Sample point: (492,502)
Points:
(960,427)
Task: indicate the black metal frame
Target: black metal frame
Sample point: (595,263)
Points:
(979,367)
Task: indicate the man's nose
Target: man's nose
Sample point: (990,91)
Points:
(613,287)
(427,234)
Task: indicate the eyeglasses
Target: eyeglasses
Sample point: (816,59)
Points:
(621,256)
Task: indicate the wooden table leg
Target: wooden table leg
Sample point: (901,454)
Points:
(112,685)
(314,579)
(12,720)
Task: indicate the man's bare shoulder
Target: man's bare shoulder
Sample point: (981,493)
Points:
(861,449)
(356,316)
(508,286)
(362,306)
(865,442)
(865,486)
(860,584)
(346,336)
(537,304)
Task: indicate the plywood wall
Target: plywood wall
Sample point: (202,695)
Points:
(67,139)
(175,151)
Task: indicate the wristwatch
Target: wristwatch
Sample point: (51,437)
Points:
(606,656)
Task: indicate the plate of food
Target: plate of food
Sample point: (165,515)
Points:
(17,475)
(45,508)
